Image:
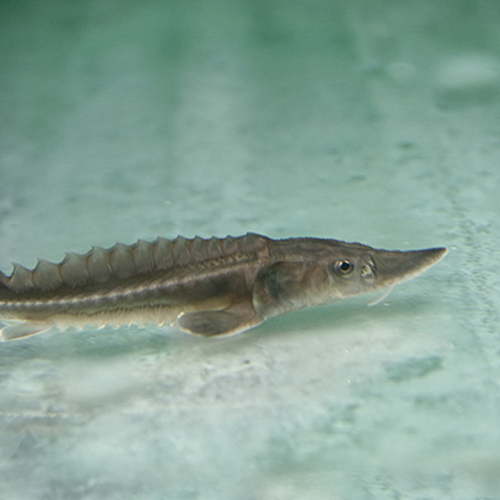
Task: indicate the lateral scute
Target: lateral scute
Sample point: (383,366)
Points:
(122,263)
(46,276)
(98,266)
(142,254)
(21,279)
(73,270)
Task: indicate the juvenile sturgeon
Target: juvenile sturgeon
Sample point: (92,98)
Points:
(209,287)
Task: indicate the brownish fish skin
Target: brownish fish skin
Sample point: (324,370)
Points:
(216,286)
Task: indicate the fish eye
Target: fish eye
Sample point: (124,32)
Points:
(343,267)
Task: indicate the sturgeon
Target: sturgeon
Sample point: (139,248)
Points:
(210,287)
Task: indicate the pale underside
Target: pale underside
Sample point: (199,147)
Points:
(216,317)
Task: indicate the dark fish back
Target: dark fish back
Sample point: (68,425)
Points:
(108,267)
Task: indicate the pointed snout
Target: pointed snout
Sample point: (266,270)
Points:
(396,267)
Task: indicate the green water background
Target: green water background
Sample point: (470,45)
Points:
(363,121)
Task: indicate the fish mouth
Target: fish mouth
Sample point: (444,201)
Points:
(396,267)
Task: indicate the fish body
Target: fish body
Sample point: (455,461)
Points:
(210,287)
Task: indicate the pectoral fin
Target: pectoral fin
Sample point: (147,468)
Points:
(21,329)
(230,321)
